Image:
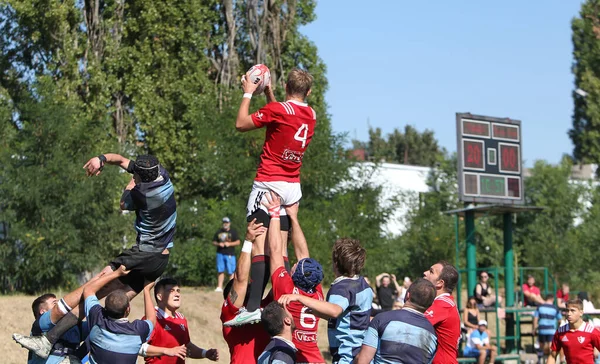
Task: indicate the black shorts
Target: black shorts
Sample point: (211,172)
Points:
(143,266)
(545,338)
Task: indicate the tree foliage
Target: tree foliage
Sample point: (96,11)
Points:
(408,147)
(79,78)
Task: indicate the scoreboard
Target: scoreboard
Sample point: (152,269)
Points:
(489,159)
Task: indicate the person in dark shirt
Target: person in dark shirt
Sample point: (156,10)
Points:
(387,291)
(225,239)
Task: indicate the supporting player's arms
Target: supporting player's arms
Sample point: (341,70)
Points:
(242,271)
(148,305)
(274,241)
(323,309)
(298,238)
(366,355)
(93,287)
(244,122)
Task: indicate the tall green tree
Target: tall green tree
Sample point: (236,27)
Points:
(585,133)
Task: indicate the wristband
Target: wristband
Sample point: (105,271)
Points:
(247,247)
(274,213)
(102,161)
(204,353)
(247,95)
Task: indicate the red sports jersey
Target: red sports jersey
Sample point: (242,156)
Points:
(168,332)
(579,344)
(290,128)
(444,317)
(247,342)
(307,324)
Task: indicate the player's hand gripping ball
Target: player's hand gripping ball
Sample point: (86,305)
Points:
(259,75)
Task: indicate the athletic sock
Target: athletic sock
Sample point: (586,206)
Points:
(63,325)
(286,263)
(259,273)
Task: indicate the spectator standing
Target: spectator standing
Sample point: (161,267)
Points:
(478,346)
(387,291)
(483,292)
(545,320)
(562,295)
(225,239)
(402,292)
(531,294)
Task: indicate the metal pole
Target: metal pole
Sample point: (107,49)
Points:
(471,252)
(509,280)
(457,262)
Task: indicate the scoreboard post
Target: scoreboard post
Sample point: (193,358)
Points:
(489,159)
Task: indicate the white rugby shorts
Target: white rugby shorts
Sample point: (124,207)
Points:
(290,193)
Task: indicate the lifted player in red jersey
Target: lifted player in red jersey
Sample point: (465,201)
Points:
(245,343)
(577,338)
(305,280)
(443,313)
(290,127)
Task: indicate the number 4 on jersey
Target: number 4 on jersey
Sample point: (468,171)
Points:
(302,134)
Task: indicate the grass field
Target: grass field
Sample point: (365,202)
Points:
(201,307)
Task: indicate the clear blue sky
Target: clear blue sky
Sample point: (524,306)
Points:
(400,62)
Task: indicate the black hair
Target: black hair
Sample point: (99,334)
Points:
(35,306)
(158,287)
(272,318)
(146,166)
(549,296)
(421,294)
(116,304)
(449,275)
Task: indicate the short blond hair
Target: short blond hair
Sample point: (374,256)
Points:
(299,82)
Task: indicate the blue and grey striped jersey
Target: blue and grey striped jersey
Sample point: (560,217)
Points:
(547,315)
(114,341)
(279,351)
(346,332)
(401,337)
(156,213)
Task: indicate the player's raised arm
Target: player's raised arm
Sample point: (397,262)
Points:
(323,309)
(274,241)
(244,122)
(95,165)
(242,271)
(298,238)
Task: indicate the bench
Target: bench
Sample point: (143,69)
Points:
(501,357)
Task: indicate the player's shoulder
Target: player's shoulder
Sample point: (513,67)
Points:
(444,301)
(563,329)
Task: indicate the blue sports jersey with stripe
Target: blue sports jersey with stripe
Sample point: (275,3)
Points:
(114,341)
(347,331)
(547,315)
(279,351)
(401,336)
(155,208)
(70,339)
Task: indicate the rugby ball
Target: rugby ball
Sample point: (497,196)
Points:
(259,74)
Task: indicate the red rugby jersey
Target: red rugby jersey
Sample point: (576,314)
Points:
(290,128)
(245,343)
(443,315)
(579,344)
(168,332)
(307,324)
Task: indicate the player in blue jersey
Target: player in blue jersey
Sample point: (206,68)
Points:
(405,335)
(151,195)
(279,324)
(348,305)
(545,322)
(68,345)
